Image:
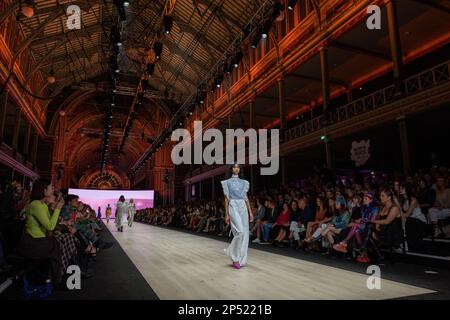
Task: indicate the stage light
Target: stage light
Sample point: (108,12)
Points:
(324,138)
(115,36)
(150,69)
(28,8)
(126,4)
(257,38)
(167,23)
(237,58)
(51,77)
(266,29)
(158,48)
(292,4)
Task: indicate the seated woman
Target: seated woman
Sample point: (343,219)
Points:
(294,226)
(415,218)
(281,225)
(388,227)
(369,213)
(338,223)
(260,213)
(323,216)
(36,242)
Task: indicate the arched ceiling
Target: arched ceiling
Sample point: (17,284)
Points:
(202,30)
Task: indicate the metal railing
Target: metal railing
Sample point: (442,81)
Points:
(422,81)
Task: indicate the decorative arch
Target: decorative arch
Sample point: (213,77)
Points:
(108,179)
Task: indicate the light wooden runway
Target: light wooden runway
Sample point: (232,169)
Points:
(178,265)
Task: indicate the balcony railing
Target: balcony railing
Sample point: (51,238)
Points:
(425,80)
(17,162)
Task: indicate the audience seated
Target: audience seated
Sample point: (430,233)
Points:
(347,216)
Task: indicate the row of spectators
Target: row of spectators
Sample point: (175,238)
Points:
(350,215)
(48,230)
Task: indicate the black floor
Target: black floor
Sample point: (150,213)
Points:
(115,278)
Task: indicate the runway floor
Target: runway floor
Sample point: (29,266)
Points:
(180,265)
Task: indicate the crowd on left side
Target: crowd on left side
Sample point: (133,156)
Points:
(48,231)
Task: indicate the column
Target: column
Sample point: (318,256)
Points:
(3,111)
(199,190)
(403,131)
(34,148)
(187,189)
(283,171)
(395,44)
(15,140)
(282,105)
(325,75)
(252,126)
(212,188)
(26,143)
(251,109)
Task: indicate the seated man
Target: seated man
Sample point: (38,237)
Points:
(269,219)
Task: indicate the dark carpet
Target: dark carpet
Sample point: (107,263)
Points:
(114,278)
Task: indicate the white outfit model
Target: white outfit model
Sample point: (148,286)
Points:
(122,209)
(235,190)
(131,213)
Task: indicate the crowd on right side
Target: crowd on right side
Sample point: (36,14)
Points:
(354,216)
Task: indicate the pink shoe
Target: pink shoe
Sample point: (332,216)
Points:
(236,265)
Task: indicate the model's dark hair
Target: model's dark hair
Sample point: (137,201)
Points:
(230,171)
(38,191)
(122,199)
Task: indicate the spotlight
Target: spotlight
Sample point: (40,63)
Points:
(256,40)
(237,59)
(51,77)
(227,68)
(167,23)
(115,36)
(158,48)
(28,8)
(120,4)
(292,4)
(126,4)
(266,29)
(218,81)
(145,85)
(150,69)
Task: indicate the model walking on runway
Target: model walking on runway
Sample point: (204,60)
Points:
(131,212)
(108,213)
(121,209)
(238,213)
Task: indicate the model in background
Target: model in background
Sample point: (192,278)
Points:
(108,213)
(121,210)
(238,212)
(131,212)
